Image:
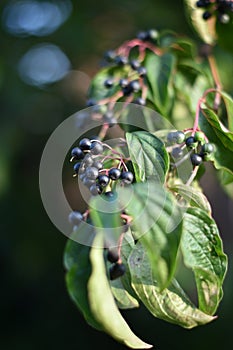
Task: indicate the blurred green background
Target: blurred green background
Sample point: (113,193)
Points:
(35,309)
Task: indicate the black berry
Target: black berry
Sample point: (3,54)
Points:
(207,148)
(117,270)
(77,153)
(112,255)
(196,159)
(177,152)
(88,160)
(135,64)
(96,148)
(85,144)
(121,60)
(206,15)
(95,189)
(98,165)
(142,71)
(108,83)
(140,101)
(190,142)
(92,173)
(114,173)
(127,177)
(103,180)
(75,217)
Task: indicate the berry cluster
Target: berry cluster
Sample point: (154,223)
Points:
(198,149)
(90,157)
(220,8)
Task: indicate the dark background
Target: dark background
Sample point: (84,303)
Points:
(35,309)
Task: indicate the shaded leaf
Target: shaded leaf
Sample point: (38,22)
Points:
(160,71)
(218,134)
(77,264)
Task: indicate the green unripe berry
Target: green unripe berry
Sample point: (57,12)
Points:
(207,148)
(199,136)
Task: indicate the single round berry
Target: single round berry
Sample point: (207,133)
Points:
(121,60)
(177,152)
(112,255)
(117,270)
(77,153)
(224,18)
(88,160)
(123,83)
(110,55)
(98,165)
(76,167)
(75,217)
(140,101)
(135,64)
(92,173)
(152,34)
(206,15)
(180,137)
(190,142)
(108,115)
(108,83)
(91,102)
(127,177)
(88,182)
(134,86)
(174,137)
(199,136)
(114,173)
(95,189)
(96,148)
(200,3)
(142,71)
(85,144)
(103,180)
(110,195)
(196,159)
(207,148)
(143,35)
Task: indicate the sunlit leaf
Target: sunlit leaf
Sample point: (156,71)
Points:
(103,305)
(203,253)
(171,304)
(157,223)
(148,155)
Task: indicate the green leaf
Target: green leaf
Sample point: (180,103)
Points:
(218,134)
(160,72)
(229,108)
(193,197)
(123,298)
(157,223)
(102,302)
(171,304)
(148,155)
(203,253)
(77,264)
(205,29)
